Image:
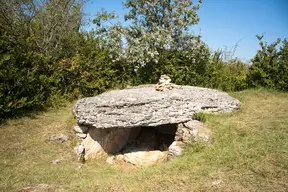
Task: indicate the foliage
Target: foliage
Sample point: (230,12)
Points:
(270,65)
(228,75)
(22,86)
(156,26)
(185,66)
(33,37)
(43,56)
(90,71)
(157,41)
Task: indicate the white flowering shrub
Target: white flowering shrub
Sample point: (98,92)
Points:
(155,26)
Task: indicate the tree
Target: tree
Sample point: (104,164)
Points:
(175,16)
(46,24)
(34,36)
(56,25)
(282,75)
(156,26)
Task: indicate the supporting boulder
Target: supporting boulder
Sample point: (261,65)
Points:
(145,158)
(107,141)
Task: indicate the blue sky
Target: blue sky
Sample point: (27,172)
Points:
(223,23)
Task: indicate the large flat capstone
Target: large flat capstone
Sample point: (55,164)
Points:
(144,106)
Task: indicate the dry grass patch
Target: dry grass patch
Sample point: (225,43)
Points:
(249,153)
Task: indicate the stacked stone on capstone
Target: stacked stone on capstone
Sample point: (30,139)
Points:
(165,84)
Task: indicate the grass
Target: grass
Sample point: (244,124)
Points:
(249,153)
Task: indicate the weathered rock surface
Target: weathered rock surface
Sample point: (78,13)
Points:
(110,160)
(189,132)
(59,138)
(176,148)
(192,131)
(144,106)
(81,135)
(107,141)
(145,158)
(82,129)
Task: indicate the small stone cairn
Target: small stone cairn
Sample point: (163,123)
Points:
(165,84)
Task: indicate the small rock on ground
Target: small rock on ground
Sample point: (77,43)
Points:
(40,188)
(81,129)
(55,162)
(59,138)
(81,135)
(216,182)
(110,160)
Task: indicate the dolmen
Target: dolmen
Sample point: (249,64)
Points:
(146,124)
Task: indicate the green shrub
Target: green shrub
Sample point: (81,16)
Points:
(270,66)
(90,71)
(226,76)
(25,80)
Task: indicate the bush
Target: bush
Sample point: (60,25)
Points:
(226,76)
(270,66)
(32,80)
(25,80)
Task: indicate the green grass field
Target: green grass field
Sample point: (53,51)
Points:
(249,153)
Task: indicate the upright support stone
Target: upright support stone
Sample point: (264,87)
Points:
(107,141)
